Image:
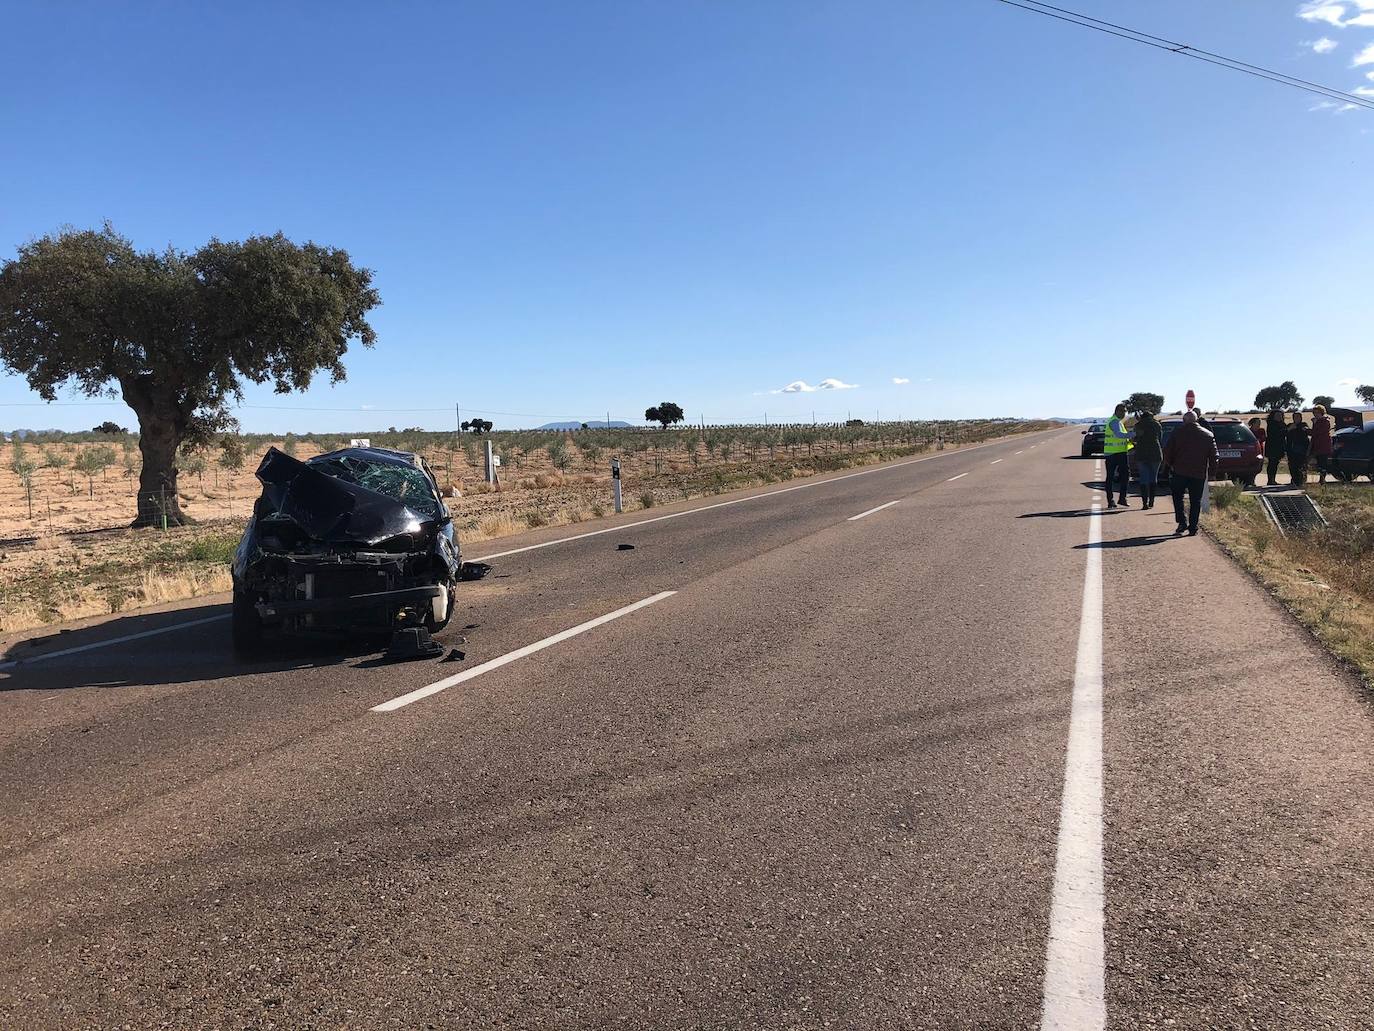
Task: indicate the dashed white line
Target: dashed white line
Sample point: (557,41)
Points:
(424,692)
(1075,964)
(1019,452)
(113,640)
(994,461)
(872,510)
(959,477)
(623,527)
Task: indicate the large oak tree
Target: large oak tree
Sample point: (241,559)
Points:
(177,334)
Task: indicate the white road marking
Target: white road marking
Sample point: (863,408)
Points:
(1020,452)
(509,657)
(994,461)
(1075,963)
(872,510)
(27,660)
(624,527)
(959,477)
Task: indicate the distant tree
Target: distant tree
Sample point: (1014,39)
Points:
(853,422)
(54,459)
(665,413)
(1285,395)
(112,428)
(288,445)
(92,460)
(232,453)
(178,333)
(477,426)
(193,462)
(1141,401)
(1325,400)
(1365,394)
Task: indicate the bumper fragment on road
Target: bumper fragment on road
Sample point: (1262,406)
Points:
(419,694)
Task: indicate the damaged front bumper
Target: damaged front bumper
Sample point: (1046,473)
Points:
(381,601)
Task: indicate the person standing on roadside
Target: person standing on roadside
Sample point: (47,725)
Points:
(1116,444)
(1148,454)
(1257,428)
(1275,444)
(1321,441)
(1191,453)
(1299,446)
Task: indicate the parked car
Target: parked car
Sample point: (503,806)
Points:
(1240,457)
(355,541)
(1352,453)
(1094,439)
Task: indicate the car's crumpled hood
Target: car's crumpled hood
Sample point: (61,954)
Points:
(333,510)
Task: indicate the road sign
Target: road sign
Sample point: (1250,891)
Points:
(1190,402)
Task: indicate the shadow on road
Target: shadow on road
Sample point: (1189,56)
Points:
(1127,542)
(1071,513)
(181,646)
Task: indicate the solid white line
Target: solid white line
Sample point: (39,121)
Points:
(1075,963)
(622,528)
(872,510)
(519,653)
(994,461)
(113,640)
(959,477)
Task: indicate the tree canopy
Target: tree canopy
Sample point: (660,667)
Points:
(477,426)
(1325,400)
(1285,395)
(177,334)
(665,413)
(1365,393)
(1141,402)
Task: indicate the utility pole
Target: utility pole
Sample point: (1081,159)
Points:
(457,418)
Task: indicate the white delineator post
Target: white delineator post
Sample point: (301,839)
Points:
(615,481)
(491,468)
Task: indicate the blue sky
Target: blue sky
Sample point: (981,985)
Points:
(579,207)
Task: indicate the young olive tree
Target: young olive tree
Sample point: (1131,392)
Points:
(177,334)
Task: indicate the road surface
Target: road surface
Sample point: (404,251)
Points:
(928,745)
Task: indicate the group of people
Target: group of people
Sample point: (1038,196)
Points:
(1190,452)
(1191,455)
(1296,442)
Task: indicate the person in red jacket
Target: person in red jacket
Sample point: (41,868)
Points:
(1321,441)
(1191,455)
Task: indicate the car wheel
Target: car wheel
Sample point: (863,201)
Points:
(245,625)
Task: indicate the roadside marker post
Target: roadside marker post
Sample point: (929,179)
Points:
(491,469)
(615,481)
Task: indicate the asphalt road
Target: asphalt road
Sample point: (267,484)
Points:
(898,771)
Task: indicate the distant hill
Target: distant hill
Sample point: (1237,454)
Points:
(592,424)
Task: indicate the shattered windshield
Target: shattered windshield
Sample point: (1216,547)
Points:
(403,483)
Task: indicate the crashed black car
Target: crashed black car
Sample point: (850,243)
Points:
(355,541)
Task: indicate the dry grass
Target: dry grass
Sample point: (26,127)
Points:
(1326,579)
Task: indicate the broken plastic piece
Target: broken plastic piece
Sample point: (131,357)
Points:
(624,547)
(411,643)
(455,655)
(473,570)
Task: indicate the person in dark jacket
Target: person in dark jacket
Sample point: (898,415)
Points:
(1148,455)
(1275,444)
(1299,447)
(1191,454)
(1321,441)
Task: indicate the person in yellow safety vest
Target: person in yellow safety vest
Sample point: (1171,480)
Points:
(1116,446)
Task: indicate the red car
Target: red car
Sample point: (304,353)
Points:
(1241,458)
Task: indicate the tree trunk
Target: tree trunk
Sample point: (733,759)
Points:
(157,482)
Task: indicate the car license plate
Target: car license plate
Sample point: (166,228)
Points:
(1229,454)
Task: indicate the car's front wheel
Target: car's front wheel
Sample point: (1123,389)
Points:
(245,625)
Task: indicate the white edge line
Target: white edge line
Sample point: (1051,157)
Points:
(519,653)
(1075,953)
(872,510)
(736,501)
(959,477)
(28,660)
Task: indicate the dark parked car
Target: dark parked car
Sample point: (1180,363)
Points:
(1094,439)
(1352,453)
(354,541)
(1240,458)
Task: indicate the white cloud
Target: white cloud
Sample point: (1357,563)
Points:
(1361,13)
(1349,381)
(899,380)
(1323,45)
(1365,56)
(1332,106)
(1363,91)
(800,386)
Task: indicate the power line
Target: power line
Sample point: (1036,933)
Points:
(1183,49)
